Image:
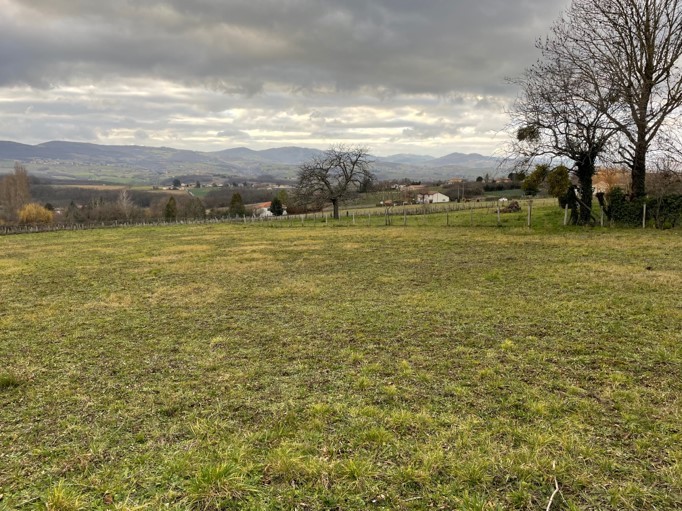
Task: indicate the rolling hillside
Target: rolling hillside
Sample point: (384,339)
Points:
(140,164)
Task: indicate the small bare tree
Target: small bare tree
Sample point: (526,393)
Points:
(334,176)
(15,191)
(125,203)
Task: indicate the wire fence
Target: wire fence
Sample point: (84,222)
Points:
(518,213)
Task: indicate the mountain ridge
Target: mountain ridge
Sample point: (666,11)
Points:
(239,162)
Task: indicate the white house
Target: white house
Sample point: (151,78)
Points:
(263,209)
(432,198)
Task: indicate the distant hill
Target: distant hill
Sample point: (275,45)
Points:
(407,159)
(469,161)
(141,164)
(290,155)
(20,152)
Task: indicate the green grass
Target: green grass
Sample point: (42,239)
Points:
(8,381)
(340,367)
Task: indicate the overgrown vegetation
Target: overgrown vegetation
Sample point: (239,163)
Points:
(350,368)
(663,212)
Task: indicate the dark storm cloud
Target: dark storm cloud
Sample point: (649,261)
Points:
(434,46)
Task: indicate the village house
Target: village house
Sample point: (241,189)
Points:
(432,198)
(607,178)
(262,210)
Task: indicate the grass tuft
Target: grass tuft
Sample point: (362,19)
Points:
(219,487)
(9,381)
(63,498)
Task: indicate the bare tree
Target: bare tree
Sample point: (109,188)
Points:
(125,203)
(555,117)
(15,191)
(628,52)
(334,176)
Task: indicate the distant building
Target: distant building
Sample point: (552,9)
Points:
(607,178)
(263,209)
(432,198)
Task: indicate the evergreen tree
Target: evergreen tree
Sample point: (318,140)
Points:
(237,205)
(171,211)
(276,207)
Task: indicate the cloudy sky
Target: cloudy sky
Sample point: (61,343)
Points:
(419,76)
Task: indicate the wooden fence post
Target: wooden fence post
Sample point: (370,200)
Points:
(530,212)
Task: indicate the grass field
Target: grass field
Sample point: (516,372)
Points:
(339,367)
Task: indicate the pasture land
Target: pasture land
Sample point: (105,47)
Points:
(339,367)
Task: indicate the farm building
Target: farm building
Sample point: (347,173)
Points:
(263,209)
(432,198)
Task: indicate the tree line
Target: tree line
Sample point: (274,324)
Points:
(22,202)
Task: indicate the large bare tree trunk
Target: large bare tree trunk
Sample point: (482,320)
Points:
(335,204)
(639,167)
(585,173)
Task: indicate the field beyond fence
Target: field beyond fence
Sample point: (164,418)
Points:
(542,213)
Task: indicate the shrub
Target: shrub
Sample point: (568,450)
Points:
(35,214)
(623,210)
(665,211)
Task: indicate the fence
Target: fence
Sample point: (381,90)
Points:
(533,213)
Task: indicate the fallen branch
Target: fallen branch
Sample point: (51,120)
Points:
(556,488)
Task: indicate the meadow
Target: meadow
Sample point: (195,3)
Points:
(274,366)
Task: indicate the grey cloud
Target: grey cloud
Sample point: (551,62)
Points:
(233,134)
(141,135)
(429,46)
(204,73)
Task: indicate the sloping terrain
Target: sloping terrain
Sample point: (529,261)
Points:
(155,165)
(248,367)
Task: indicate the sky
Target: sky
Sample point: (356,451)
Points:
(397,76)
